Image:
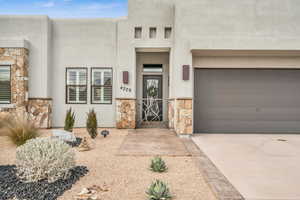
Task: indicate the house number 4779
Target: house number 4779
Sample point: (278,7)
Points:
(125,89)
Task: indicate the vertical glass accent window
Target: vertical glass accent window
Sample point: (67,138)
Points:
(101,86)
(5,85)
(152,33)
(76,88)
(168,32)
(138,32)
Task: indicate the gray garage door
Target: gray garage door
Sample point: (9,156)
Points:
(246,100)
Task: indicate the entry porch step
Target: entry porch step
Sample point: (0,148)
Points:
(158,124)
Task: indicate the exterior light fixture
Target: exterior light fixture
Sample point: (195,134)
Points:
(105,133)
(185,72)
(125,77)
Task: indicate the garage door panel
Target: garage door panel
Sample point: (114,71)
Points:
(246,100)
(226,126)
(229,113)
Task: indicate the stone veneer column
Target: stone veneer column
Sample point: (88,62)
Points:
(171,113)
(183,116)
(126,113)
(17,58)
(40,111)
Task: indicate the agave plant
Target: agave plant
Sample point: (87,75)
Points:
(158,165)
(158,190)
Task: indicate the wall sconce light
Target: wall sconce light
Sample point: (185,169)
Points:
(125,77)
(185,72)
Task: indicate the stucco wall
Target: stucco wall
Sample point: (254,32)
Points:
(34,29)
(82,43)
(251,24)
(145,14)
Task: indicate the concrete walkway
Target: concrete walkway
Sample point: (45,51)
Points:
(260,166)
(152,141)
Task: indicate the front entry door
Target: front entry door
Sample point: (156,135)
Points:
(152,98)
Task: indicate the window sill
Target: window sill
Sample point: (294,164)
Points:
(3,107)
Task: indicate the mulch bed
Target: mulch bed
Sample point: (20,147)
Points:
(11,186)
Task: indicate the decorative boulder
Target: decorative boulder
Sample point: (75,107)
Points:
(64,135)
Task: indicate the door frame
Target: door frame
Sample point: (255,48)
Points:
(160,76)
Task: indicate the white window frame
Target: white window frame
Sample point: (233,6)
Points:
(77,85)
(102,71)
(9,68)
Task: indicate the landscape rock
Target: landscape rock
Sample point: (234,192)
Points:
(84,146)
(12,188)
(92,193)
(64,135)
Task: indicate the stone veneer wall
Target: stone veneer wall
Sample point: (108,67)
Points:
(183,116)
(17,58)
(126,113)
(40,111)
(171,113)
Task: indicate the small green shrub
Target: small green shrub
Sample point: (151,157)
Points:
(44,159)
(158,165)
(18,129)
(69,120)
(158,190)
(92,124)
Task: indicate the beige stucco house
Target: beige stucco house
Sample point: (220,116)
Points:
(196,66)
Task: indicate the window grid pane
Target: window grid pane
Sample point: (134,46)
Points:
(101,88)
(5,87)
(76,86)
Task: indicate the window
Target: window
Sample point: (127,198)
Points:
(5,88)
(153,68)
(101,86)
(152,32)
(138,32)
(76,89)
(168,32)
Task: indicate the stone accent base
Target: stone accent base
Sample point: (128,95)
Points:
(40,112)
(126,113)
(181,115)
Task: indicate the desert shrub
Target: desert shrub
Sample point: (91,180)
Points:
(158,190)
(91,124)
(44,159)
(69,120)
(158,165)
(18,129)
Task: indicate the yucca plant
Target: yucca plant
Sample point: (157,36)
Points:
(158,190)
(18,129)
(92,124)
(69,120)
(158,165)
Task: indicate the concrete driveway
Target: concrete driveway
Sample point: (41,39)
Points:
(260,166)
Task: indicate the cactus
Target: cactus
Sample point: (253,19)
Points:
(91,124)
(69,120)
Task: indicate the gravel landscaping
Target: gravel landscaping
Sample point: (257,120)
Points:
(125,177)
(11,186)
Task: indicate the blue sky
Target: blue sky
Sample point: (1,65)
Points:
(65,8)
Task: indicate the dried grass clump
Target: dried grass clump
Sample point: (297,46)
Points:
(18,129)
(44,159)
